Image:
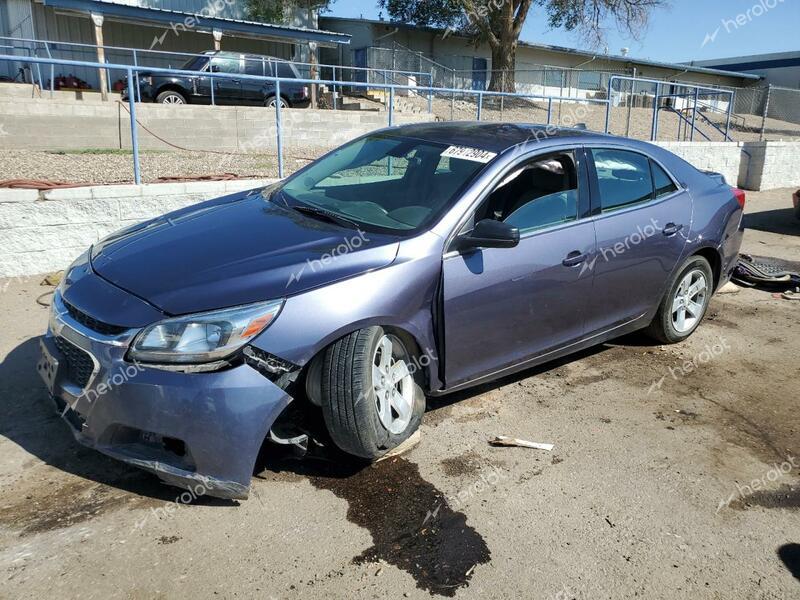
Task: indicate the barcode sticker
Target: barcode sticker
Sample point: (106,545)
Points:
(473,154)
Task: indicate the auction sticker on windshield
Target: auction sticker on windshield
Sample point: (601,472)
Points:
(465,153)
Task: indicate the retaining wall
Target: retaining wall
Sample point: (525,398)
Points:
(44,231)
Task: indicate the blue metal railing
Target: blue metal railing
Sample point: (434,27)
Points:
(697,90)
(277,81)
(139,58)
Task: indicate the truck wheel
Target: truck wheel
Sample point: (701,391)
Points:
(170,97)
(371,395)
(685,303)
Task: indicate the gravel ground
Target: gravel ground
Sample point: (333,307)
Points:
(688,491)
(117,167)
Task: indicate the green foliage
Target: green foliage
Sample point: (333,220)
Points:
(276,11)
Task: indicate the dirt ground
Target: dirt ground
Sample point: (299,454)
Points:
(668,480)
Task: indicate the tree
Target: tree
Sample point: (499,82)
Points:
(499,22)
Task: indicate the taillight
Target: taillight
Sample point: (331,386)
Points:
(740,196)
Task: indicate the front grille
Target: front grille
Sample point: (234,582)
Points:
(79,363)
(92,323)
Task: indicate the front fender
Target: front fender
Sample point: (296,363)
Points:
(400,295)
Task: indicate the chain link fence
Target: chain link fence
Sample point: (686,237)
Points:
(768,113)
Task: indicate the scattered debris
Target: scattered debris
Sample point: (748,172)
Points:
(729,288)
(52,278)
(403,447)
(502,440)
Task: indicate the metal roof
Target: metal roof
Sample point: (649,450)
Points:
(684,68)
(283,33)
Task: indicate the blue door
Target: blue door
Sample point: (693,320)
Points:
(479,67)
(360,61)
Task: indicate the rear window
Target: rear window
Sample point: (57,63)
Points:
(663,184)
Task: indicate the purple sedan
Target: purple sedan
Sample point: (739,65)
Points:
(411,262)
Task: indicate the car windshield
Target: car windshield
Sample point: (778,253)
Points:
(392,183)
(196,63)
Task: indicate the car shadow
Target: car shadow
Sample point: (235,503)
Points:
(781,220)
(29,419)
(790,556)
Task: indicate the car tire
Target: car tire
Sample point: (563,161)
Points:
(367,416)
(685,303)
(171,97)
(270,102)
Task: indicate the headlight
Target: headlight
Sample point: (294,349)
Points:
(203,337)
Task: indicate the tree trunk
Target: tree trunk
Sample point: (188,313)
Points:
(503,66)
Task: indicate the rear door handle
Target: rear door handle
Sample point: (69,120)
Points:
(573,259)
(671,229)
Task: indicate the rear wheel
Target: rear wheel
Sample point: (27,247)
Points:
(371,395)
(685,303)
(272,100)
(170,97)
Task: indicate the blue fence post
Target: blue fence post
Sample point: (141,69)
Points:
(391,106)
(654,129)
(137,175)
(730,113)
(480,104)
(52,71)
(211,86)
(694,113)
(279,126)
(334,87)
(608,105)
(430,93)
(549,110)
(138,89)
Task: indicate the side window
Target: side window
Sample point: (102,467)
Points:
(225,64)
(623,178)
(285,70)
(253,66)
(540,193)
(662,182)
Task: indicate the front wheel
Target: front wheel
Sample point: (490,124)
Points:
(371,396)
(170,97)
(685,303)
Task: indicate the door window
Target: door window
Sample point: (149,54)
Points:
(623,178)
(253,66)
(539,193)
(225,64)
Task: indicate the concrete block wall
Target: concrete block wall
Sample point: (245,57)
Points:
(722,157)
(43,124)
(772,165)
(44,231)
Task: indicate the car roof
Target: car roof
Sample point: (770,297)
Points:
(495,137)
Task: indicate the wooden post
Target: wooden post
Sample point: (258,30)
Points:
(312,58)
(97,19)
(217,33)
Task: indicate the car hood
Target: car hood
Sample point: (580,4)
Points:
(234,250)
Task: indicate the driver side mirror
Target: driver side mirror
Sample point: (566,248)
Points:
(489,233)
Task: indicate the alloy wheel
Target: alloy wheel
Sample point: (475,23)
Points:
(393,384)
(689,301)
(172,99)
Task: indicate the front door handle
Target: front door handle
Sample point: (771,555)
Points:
(671,229)
(573,259)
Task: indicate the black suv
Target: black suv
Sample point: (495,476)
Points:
(196,89)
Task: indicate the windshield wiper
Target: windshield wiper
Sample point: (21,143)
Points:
(320,213)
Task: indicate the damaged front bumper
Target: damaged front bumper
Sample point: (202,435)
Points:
(199,431)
